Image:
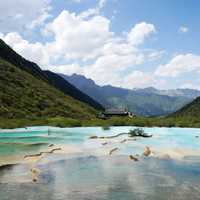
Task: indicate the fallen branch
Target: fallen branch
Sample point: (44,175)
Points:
(43,152)
(131,133)
(133,158)
(113,150)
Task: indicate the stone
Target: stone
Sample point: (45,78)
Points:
(147,151)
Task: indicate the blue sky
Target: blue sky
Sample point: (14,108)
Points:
(126,43)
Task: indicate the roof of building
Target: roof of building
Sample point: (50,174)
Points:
(116,111)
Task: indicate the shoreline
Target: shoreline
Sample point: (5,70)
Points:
(138,121)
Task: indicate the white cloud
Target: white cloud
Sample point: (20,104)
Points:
(137,79)
(140,32)
(183,29)
(155,55)
(33,51)
(88,46)
(40,20)
(67,69)
(19,14)
(107,69)
(77,38)
(180,64)
(93,11)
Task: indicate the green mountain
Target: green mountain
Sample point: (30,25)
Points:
(143,102)
(191,110)
(12,57)
(28,92)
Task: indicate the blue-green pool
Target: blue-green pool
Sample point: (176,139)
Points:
(93,174)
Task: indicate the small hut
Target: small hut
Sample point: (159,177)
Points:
(115,112)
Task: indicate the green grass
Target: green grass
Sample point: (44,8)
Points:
(115,121)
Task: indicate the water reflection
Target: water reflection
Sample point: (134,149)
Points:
(106,178)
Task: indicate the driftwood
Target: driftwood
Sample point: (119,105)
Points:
(131,134)
(39,154)
(133,158)
(125,140)
(113,150)
(93,137)
(113,136)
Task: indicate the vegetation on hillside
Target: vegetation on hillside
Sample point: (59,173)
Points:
(191,110)
(115,121)
(9,55)
(24,96)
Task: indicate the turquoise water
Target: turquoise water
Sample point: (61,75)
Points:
(93,174)
(35,137)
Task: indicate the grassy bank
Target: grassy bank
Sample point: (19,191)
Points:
(115,121)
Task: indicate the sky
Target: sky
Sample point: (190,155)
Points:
(125,43)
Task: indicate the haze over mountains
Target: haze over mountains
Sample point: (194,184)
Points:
(26,91)
(146,102)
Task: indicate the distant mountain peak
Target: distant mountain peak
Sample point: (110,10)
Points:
(142,101)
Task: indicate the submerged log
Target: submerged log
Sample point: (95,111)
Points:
(93,137)
(113,150)
(123,141)
(131,133)
(33,155)
(133,158)
(42,152)
(56,149)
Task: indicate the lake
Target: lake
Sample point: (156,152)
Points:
(82,168)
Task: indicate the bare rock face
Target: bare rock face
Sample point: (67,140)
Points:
(147,151)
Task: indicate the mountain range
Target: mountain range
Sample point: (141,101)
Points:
(145,102)
(27,92)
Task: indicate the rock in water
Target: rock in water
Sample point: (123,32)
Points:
(147,151)
(35,173)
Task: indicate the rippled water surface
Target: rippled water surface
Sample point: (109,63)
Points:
(91,173)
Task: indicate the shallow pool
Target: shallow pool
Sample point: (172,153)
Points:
(89,172)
